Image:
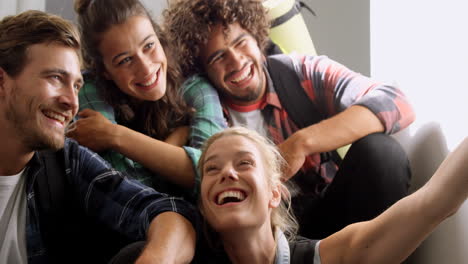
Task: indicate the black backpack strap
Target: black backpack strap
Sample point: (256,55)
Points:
(52,187)
(295,9)
(290,92)
(302,111)
(51,191)
(302,250)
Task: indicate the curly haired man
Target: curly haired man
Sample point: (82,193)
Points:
(226,40)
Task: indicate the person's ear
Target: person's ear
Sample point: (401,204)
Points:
(275,199)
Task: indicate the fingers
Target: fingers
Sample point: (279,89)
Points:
(86,113)
(71,131)
(70,127)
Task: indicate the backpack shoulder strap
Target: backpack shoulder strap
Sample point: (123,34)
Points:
(302,111)
(302,250)
(52,187)
(51,191)
(290,91)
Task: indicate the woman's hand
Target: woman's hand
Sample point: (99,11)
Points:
(93,130)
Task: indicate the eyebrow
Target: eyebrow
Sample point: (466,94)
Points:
(210,58)
(61,72)
(209,158)
(126,52)
(239,153)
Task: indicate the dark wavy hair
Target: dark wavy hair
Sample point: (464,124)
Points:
(189,23)
(154,118)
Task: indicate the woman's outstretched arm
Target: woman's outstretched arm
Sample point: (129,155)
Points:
(396,233)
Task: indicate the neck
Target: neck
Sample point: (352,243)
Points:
(250,246)
(13,154)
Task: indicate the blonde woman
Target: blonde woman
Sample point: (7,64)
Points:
(241,196)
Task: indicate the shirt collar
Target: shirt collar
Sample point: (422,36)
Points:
(282,248)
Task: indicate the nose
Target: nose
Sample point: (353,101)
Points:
(68,98)
(235,59)
(229,173)
(144,67)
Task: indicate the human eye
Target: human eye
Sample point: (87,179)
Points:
(55,77)
(246,163)
(210,168)
(149,46)
(124,61)
(77,86)
(241,42)
(218,58)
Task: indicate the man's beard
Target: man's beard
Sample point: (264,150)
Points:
(27,127)
(254,95)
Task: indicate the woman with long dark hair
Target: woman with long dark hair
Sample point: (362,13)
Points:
(148,108)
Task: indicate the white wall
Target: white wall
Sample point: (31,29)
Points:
(341,31)
(64,8)
(11,7)
(423,47)
(156,7)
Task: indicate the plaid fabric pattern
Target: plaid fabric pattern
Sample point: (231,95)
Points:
(127,207)
(207,120)
(333,88)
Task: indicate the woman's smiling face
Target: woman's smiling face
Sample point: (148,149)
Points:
(134,59)
(234,189)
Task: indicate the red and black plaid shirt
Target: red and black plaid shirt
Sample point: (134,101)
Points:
(332,88)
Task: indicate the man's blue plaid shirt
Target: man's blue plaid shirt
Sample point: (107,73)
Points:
(124,204)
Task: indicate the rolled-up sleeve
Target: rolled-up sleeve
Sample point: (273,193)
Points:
(334,88)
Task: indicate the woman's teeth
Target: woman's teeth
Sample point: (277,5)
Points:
(151,81)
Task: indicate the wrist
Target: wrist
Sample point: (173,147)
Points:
(117,133)
(306,141)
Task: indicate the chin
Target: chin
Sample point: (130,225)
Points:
(228,224)
(48,142)
(155,95)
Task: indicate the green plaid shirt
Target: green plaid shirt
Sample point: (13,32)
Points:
(206,121)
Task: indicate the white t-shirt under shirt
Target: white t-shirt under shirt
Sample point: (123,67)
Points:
(252,120)
(13,219)
(249,116)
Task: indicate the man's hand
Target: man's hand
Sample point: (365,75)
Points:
(294,153)
(171,239)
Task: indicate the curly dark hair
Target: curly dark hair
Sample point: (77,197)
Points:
(154,118)
(188,23)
